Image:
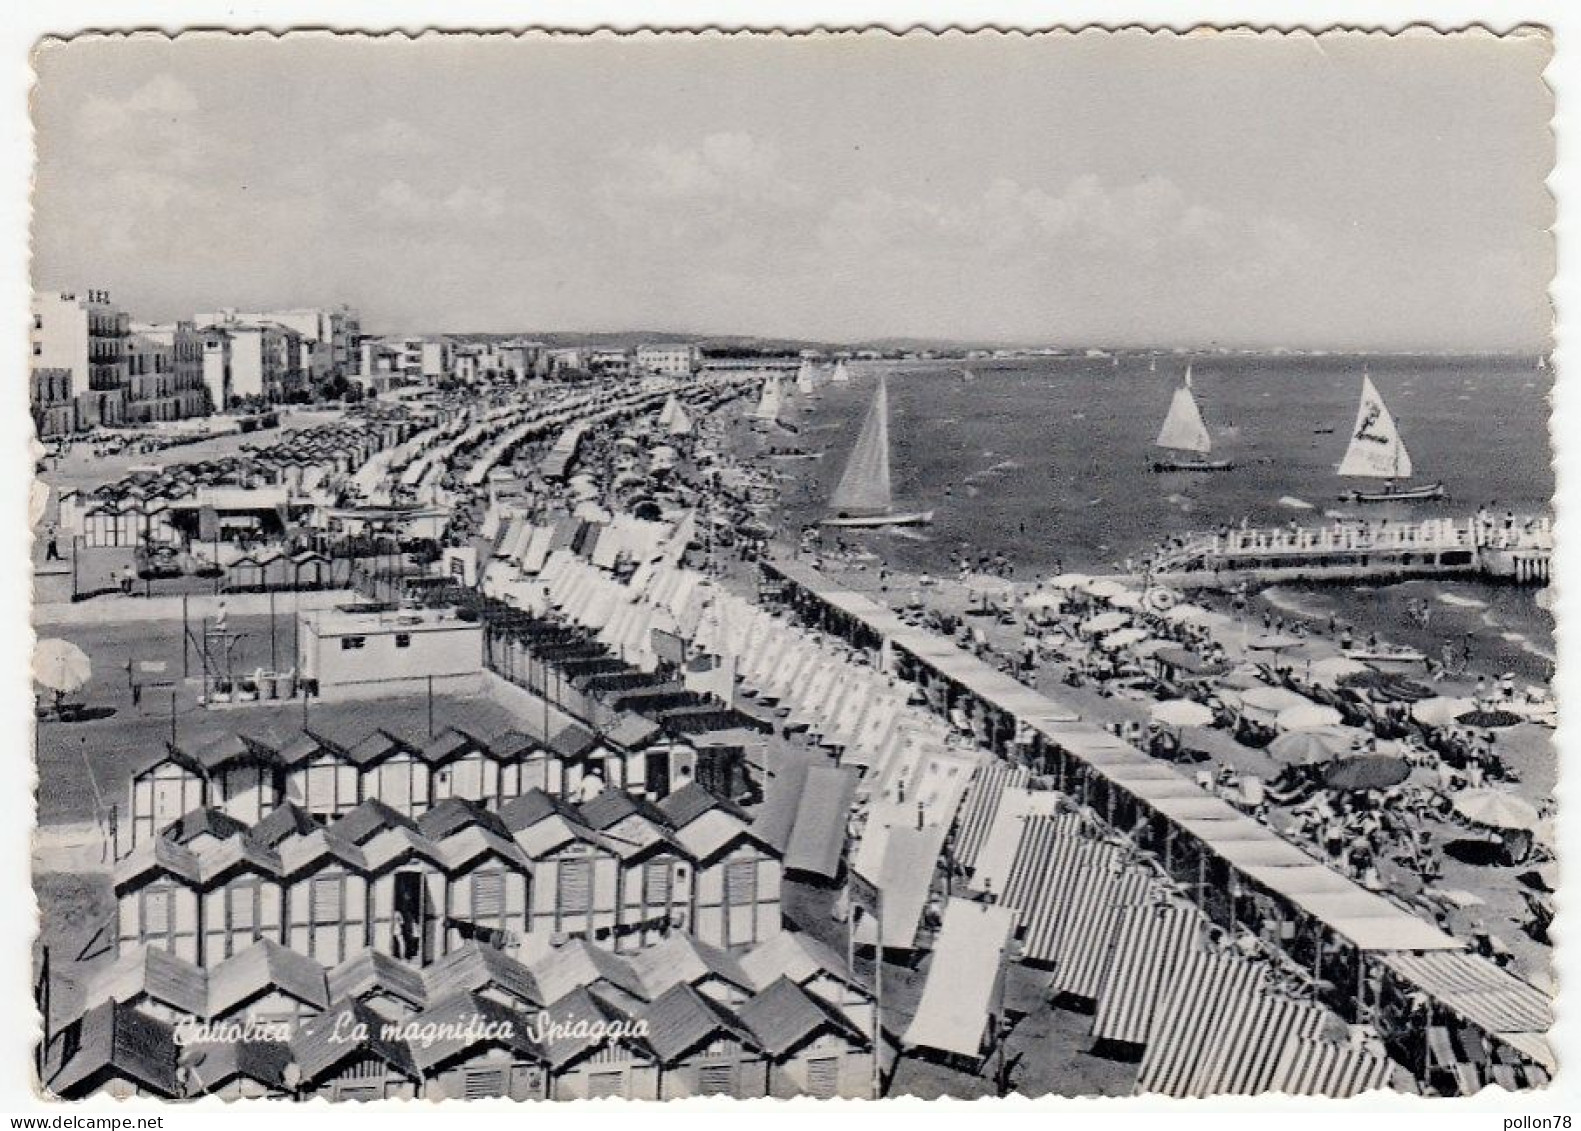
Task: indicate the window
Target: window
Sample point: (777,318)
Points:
(716,1079)
(156,911)
(326,900)
(483,1083)
(352,643)
(656,883)
(403,639)
(606,1084)
(243,907)
(741,883)
(573,887)
(488,895)
(823,1077)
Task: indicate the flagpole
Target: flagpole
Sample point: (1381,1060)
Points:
(878,995)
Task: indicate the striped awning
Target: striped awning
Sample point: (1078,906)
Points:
(1078,878)
(980,805)
(1208,989)
(1045,857)
(1081,953)
(1149,942)
(1243,1049)
(1490,998)
(1324,1068)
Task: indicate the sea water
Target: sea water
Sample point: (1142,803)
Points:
(1045,460)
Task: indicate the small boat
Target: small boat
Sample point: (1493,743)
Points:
(1325,430)
(794,453)
(967,376)
(768,409)
(1184,431)
(840,376)
(1377,451)
(1387,657)
(864,497)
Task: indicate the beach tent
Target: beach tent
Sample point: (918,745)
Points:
(904,880)
(997,855)
(817,837)
(1309,1067)
(959,1000)
(981,804)
(1205,991)
(1149,941)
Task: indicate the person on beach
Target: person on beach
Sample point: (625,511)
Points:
(51,545)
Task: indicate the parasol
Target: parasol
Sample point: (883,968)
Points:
(1182,614)
(1273,699)
(1308,747)
(1328,672)
(1242,679)
(1485,718)
(1370,678)
(1070,581)
(1367,771)
(1496,809)
(1124,638)
(1181,713)
(1307,716)
(1105,622)
(1103,588)
(60,665)
(1039,601)
(1126,599)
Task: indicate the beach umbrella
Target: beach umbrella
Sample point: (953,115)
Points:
(60,665)
(986,583)
(1103,588)
(1309,747)
(1402,690)
(1273,699)
(1366,771)
(1363,680)
(1242,678)
(1485,718)
(1186,614)
(1308,716)
(1274,642)
(1328,672)
(1070,581)
(1105,622)
(1040,600)
(1460,899)
(1151,647)
(1440,711)
(1181,713)
(1124,638)
(1496,809)
(1126,599)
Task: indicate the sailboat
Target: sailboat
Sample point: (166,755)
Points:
(768,410)
(841,375)
(1184,431)
(863,496)
(1377,452)
(967,376)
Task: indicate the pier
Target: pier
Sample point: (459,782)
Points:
(1514,549)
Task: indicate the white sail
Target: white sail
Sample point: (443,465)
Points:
(840,376)
(967,376)
(864,488)
(1376,450)
(769,404)
(1184,430)
(667,413)
(804,377)
(680,424)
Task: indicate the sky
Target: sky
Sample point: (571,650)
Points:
(1249,191)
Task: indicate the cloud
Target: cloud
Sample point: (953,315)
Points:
(725,178)
(400,202)
(156,122)
(392,137)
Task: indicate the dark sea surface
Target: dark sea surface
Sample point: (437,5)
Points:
(1045,460)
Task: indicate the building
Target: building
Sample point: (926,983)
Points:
(265,358)
(53,405)
(326,336)
(609,363)
(671,359)
(218,381)
(84,334)
(345,653)
(165,372)
(435,359)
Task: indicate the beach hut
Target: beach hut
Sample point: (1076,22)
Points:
(267,984)
(155,983)
(502,1062)
(157,905)
(343,1054)
(655,882)
(393,772)
(391,988)
(702,1049)
(312,570)
(462,765)
(481,970)
(116,1051)
(490,877)
(319,777)
(577,873)
(241,902)
(163,791)
(407,885)
(681,959)
(244,776)
(813,1050)
(737,873)
(524,764)
(325,888)
(960,1000)
(586,1063)
(238,1070)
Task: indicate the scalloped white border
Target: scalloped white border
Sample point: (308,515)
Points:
(19,31)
